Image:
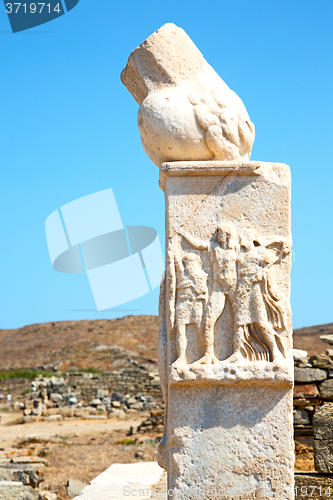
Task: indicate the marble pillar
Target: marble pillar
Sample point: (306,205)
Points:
(226,337)
(225,333)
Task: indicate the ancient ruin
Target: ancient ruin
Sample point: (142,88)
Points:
(225,358)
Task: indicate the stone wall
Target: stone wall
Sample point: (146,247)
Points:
(130,381)
(83,395)
(313,387)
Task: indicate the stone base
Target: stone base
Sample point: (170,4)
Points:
(231,442)
(224,372)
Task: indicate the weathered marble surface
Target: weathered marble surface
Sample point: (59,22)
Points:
(119,481)
(186,112)
(225,348)
(225,339)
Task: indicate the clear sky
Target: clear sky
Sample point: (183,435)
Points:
(68,129)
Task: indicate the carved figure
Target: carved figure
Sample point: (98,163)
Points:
(224,253)
(240,275)
(191,297)
(256,303)
(186,112)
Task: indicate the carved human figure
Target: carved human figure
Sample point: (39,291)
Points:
(191,298)
(223,254)
(256,309)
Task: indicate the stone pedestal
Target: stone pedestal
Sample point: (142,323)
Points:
(225,337)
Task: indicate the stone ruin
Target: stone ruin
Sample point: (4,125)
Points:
(225,337)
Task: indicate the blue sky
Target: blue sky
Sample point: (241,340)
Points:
(68,129)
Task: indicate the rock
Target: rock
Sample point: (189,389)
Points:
(329,352)
(14,475)
(305,402)
(55,397)
(323,422)
(326,389)
(30,418)
(36,411)
(84,412)
(116,404)
(323,438)
(117,413)
(36,477)
(47,495)
(66,412)
(72,400)
(150,406)
(327,338)
(53,418)
(10,483)
(101,393)
(74,488)
(301,417)
(117,396)
(309,374)
(299,354)
(130,401)
(305,391)
(322,361)
(57,382)
(137,406)
(16,492)
(96,402)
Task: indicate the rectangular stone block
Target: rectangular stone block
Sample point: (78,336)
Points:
(225,335)
(306,391)
(323,438)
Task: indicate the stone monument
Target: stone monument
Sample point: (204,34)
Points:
(225,335)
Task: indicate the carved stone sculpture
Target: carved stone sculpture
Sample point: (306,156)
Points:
(186,110)
(225,332)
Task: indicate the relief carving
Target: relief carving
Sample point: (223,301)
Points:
(239,272)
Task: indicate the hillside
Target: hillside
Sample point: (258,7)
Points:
(104,344)
(309,338)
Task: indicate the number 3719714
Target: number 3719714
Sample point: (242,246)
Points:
(33,8)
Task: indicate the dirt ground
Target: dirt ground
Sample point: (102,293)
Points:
(82,449)
(76,449)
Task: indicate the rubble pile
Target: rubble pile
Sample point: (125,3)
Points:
(21,471)
(89,395)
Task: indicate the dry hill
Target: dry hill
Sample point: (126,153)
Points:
(104,344)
